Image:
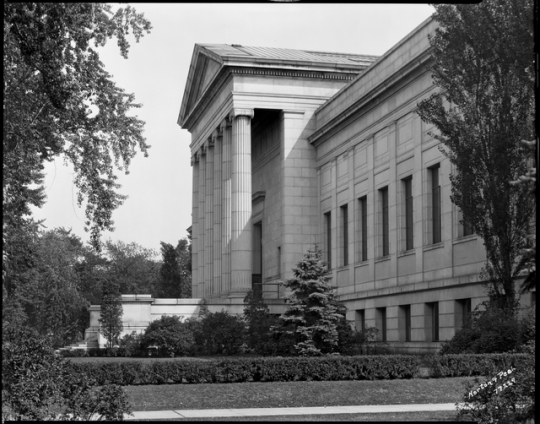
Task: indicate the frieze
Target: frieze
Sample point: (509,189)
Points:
(296,74)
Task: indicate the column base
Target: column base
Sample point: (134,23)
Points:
(238,293)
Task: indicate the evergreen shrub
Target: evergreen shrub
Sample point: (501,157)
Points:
(323,368)
(467,365)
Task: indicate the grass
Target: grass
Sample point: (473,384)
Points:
(380,416)
(295,394)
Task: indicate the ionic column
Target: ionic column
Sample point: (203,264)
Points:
(241,252)
(202,210)
(209,221)
(218,147)
(226,127)
(195,226)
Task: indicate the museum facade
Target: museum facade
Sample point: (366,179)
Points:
(291,148)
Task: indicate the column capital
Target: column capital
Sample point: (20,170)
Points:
(194,158)
(242,112)
(218,133)
(209,142)
(225,123)
(202,150)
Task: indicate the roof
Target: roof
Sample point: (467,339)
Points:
(209,60)
(236,50)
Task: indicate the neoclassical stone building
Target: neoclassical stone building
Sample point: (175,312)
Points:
(293,147)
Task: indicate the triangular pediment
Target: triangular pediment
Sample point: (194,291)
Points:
(202,71)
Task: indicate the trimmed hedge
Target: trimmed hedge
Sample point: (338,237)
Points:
(238,370)
(467,365)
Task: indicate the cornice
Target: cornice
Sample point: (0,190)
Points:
(325,131)
(225,73)
(349,76)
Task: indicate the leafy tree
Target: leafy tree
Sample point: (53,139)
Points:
(58,100)
(111,313)
(171,336)
(175,270)
(313,315)
(46,288)
(132,267)
(484,66)
(37,385)
(529,253)
(220,333)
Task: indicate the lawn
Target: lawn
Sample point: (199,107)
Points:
(295,394)
(380,416)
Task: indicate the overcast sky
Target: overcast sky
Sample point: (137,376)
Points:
(159,187)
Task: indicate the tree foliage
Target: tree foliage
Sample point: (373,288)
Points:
(484,66)
(133,267)
(46,289)
(259,322)
(37,385)
(175,270)
(60,101)
(111,313)
(170,335)
(312,317)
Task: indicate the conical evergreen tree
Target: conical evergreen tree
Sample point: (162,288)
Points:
(312,317)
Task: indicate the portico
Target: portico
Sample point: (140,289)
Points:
(254,207)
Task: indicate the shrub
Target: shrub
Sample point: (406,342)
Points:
(221,333)
(130,344)
(39,385)
(258,323)
(169,335)
(492,330)
(362,342)
(467,365)
(487,403)
(230,370)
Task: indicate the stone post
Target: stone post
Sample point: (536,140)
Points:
(241,251)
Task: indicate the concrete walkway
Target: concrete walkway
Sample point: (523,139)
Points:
(261,412)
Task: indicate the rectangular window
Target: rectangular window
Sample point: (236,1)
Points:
(380,323)
(408,198)
(328,238)
(435,203)
(385,230)
(344,235)
(462,312)
(432,322)
(404,323)
(360,320)
(279,260)
(363,228)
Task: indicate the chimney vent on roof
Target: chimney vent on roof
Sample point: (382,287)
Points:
(236,45)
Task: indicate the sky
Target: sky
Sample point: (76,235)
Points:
(159,187)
